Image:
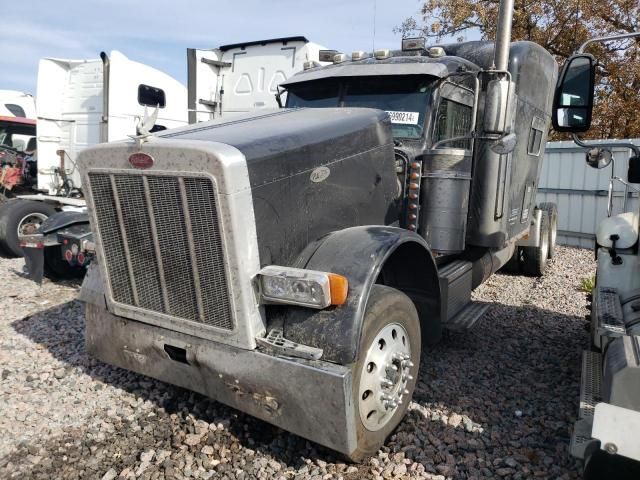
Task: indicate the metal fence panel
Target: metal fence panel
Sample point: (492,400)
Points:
(581,191)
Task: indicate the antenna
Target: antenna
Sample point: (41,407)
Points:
(373,41)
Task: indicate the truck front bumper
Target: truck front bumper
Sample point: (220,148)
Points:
(312,399)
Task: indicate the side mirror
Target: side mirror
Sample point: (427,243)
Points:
(573,100)
(498,100)
(633,174)
(598,157)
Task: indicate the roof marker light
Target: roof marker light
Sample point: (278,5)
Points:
(436,52)
(310,64)
(340,57)
(409,44)
(358,55)
(327,55)
(382,54)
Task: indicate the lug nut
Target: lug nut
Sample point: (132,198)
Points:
(411,227)
(413,186)
(412,216)
(415,165)
(413,196)
(414,176)
(413,206)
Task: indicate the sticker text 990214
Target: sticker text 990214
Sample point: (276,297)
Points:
(408,118)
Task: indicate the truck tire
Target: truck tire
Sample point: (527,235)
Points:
(534,261)
(389,350)
(18,214)
(552,212)
(513,265)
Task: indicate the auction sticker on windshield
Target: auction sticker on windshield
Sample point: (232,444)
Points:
(407,118)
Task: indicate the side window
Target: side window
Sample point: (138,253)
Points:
(17,110)
(452,120)
(151,96)
(453,117)
(535,136)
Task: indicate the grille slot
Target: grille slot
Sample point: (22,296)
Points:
(178,272)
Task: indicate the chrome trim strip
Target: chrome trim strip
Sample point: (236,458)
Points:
(156,244)
(192,248)
(125,241)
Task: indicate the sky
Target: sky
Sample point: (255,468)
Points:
(158,32)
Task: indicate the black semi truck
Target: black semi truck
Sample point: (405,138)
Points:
(292,264)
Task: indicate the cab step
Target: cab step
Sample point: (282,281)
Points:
(609,313)
(466,318)
(590,396)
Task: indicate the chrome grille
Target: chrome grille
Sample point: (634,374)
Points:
(162,245)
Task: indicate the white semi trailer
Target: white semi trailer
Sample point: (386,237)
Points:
(607,433)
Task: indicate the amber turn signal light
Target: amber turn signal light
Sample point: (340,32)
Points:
(339,287)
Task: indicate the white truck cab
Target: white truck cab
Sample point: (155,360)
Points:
(242,77)
(82,103)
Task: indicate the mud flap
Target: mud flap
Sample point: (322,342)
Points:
(34,261)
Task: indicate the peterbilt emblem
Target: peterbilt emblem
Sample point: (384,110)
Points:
(320,174)
(141,160)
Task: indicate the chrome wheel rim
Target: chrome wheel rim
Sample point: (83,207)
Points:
(544,247)
(385,374)
(30,223)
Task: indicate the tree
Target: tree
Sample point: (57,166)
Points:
(560,26)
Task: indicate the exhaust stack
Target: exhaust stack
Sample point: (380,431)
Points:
(503,35)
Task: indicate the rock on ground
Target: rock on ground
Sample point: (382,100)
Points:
(496,402)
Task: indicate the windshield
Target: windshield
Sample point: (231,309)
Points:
(17,136)
(405,98)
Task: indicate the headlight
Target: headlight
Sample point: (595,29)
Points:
(296,286)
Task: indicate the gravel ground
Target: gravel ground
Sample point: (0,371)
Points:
(496,402)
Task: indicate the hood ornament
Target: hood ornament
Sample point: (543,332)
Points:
(144,127)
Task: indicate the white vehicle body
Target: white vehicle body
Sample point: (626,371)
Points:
(242,77)
(610,392)
(84,102)
(17,104)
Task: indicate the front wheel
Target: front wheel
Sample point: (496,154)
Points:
(386,369)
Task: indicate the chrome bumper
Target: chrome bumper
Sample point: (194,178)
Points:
(309,398)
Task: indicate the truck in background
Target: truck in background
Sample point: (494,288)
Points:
(251,73)
(17,104)
(18,172)
(81,103)
(242,77)
(293,263)
(607,434)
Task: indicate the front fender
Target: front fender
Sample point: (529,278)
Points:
(360,254)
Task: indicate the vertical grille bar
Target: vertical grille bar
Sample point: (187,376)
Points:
(156,245)
(192,248)
(123,232)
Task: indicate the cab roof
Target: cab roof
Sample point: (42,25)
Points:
(394,65)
